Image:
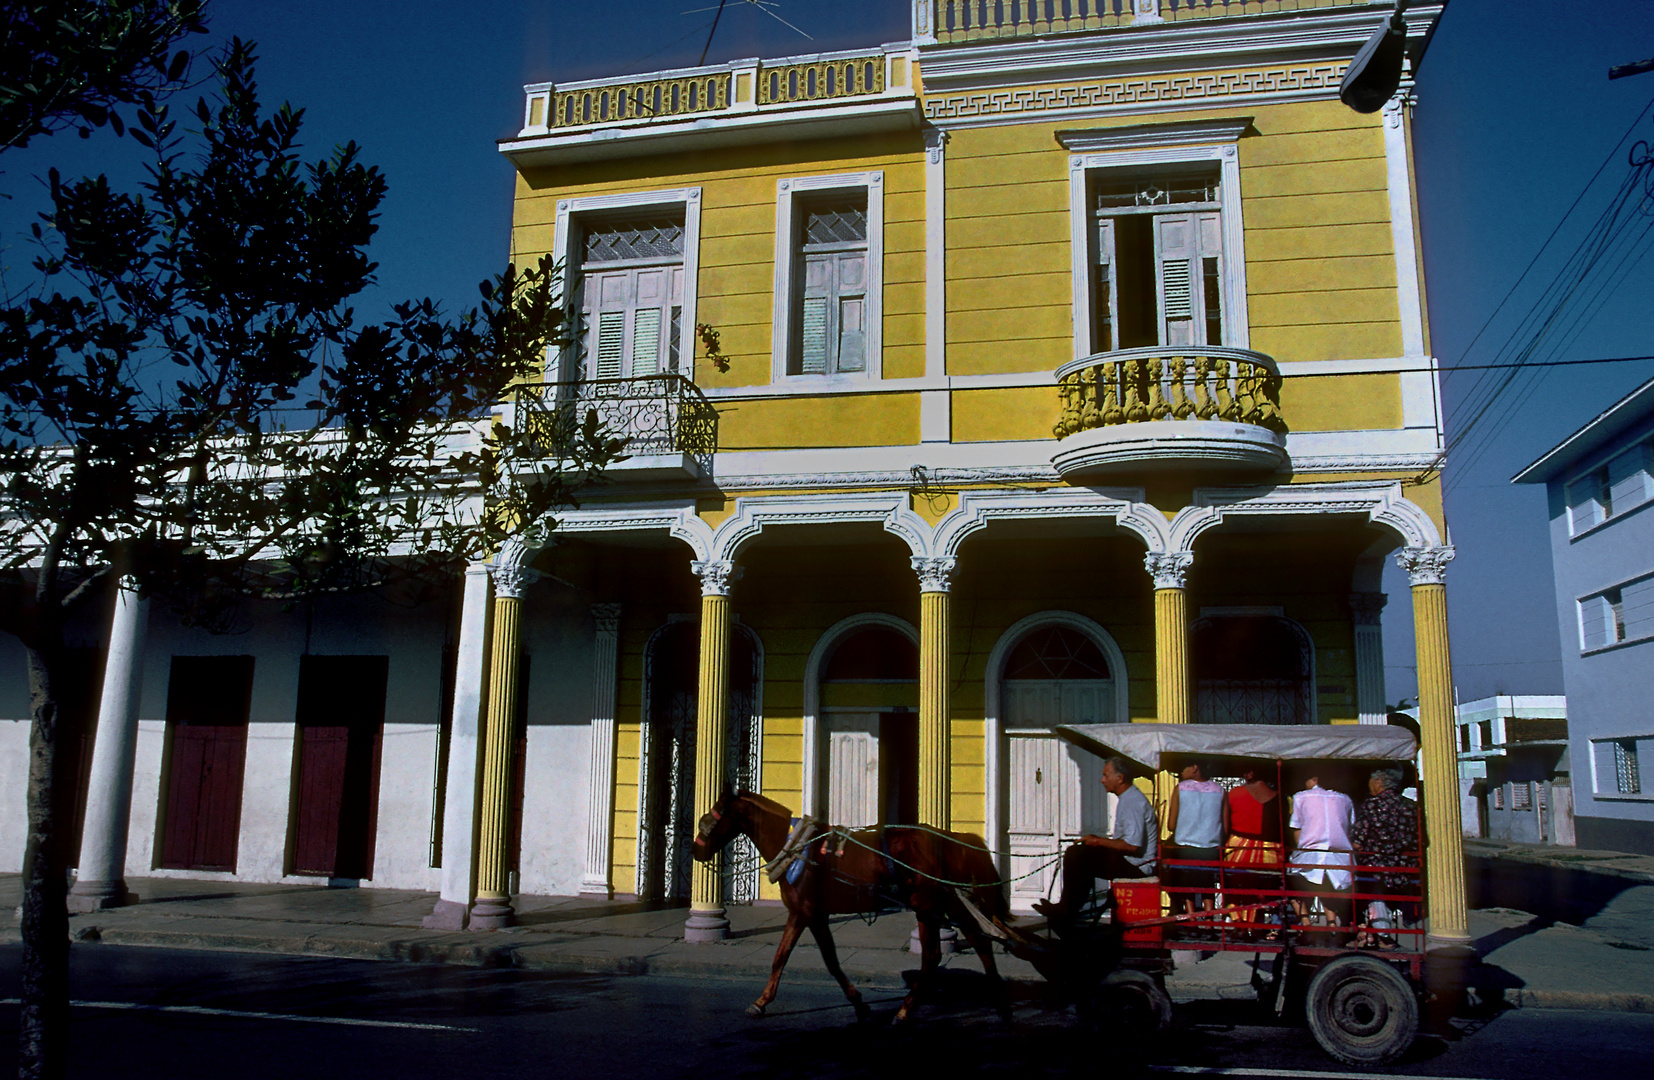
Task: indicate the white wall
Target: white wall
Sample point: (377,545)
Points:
(558,633)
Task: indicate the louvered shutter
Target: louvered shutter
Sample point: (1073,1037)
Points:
(818,296)
(1187,246)
(646,323)
(1628,479)
(1105,299)
(1584,510)
(1596,622)
(851,287)
(1637,608)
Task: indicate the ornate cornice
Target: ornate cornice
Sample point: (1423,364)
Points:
(935,574)
(1425,565)
(716,575)
(1170,570)
(1367,608)
(1038,474)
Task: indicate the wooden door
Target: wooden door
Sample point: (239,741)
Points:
(208,699)
(853,769)
(341,719)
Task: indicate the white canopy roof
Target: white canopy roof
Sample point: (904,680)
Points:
(1144,743)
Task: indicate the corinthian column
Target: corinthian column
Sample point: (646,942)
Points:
(101,880)
(600,805)
(935,773)
(706,920)
(492,909)
(1170,571)
(1439,780)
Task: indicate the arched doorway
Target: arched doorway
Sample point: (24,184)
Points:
(1252,669)
(869,688)
(669,813)
(1053,674)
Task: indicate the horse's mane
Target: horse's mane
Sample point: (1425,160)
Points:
(765,803)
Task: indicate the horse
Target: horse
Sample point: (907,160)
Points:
(849,872)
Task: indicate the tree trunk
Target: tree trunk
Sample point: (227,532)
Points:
(44,1026)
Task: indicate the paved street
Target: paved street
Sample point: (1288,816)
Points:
(154,1012)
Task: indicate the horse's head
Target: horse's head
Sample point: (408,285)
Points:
(717,828)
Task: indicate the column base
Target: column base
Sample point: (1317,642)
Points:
(1447,975)
(492,913)
(947,941)
(597,889)
(703,926)
(89,896)
(447,915)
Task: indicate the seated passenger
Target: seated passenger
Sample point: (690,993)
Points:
(1386,834)
(1129,851)
(1195,819)
(1321,820)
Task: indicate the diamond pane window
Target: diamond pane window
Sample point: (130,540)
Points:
(613,241)
(1056,652)
(835,223)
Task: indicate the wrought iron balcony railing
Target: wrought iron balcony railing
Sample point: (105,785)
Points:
(655,415)
(1131,386)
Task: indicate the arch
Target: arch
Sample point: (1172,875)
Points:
(1120,506)
(753,514)
(994,803)
(678,521)
(824,646)
(1306,651)
(1379,501)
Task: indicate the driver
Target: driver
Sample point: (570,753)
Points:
(1129,851)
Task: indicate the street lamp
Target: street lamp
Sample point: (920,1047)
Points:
(1375,73)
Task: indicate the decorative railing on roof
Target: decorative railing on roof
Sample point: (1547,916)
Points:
(971,20)
(740,86)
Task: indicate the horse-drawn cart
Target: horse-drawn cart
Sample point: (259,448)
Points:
(1361,1003)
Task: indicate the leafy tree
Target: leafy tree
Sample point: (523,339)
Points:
(73,63)
(188,403)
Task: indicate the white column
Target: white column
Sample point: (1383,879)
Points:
(101,881)
(459,800)
(600,805)
(1366,611)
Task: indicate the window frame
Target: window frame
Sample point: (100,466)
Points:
(1600,477)
(1642,741)
(788,278)
(1629,637)
(566,250)
(1105,150)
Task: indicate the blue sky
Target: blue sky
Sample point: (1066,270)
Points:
(1515,114)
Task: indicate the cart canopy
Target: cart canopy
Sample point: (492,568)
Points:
(1144,743)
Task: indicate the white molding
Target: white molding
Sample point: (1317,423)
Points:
(569,212)
(753,514)
(1119,506)
(993,732)
(1137,152)
(677,518)
(1380,502)
(813,788)
(936,263)
(1404,239)
(787,190)
(600,793)
(1218,132)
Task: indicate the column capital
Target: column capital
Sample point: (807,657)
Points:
(1170,569)
(510,578)
(1425,565)
(935,573)
(1367,608)
(936,140)
(607,617)
(716,575)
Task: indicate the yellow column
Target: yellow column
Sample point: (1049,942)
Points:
(492,909)
(1171,656)
(1449,923)
(706,920)
(935,773)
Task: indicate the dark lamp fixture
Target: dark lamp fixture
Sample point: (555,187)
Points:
(1375,73)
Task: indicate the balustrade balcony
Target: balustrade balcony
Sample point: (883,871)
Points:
(949,21)
(1189,407)
(668,427)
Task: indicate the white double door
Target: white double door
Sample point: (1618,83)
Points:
(1055,792)
(853,790)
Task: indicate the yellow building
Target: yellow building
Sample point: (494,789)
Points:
(1065,363)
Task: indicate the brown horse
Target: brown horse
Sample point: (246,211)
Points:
(862,871)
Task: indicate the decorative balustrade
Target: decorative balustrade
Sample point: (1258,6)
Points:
(654,414)
(1132,386)
(736,87)
(972,20)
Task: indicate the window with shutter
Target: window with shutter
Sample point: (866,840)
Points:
(631,297)
(1628,479)
(1601,620)
(1157,261)
(832,319)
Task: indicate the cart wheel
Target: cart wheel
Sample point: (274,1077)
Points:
(1362,1011)
(1133,1002)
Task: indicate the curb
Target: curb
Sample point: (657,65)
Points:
(534,956)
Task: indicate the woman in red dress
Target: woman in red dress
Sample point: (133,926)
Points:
(1252,853)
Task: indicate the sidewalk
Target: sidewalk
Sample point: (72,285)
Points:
(1604,960)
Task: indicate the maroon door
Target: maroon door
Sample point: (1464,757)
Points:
(341,718)
(208,698)
(79,690)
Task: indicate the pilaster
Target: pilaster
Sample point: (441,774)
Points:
(459,797)
(101,879)
(1366,613)
(600,806)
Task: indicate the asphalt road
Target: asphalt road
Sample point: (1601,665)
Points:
(151,1012)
